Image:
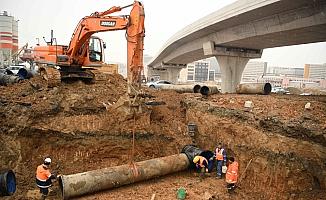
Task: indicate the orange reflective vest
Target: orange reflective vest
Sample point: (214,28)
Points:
(219,153)
(232,173)
(201,161)
(42,174)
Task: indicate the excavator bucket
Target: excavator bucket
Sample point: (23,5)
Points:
(51,75)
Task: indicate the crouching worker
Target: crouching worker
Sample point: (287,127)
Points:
(231,177)
(44,177)
(201,164)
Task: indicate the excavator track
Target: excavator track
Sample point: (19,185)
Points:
(98,75)
(51,75)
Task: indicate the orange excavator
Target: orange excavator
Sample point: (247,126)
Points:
(57,62)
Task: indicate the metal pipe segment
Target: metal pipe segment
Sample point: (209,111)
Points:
(182,88)
(102,179)
(9,79)
(254,88)
(207,90)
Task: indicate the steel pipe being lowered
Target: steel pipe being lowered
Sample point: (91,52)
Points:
(93,181)
(206,90)
(254,88)
(182,88)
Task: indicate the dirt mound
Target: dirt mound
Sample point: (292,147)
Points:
(71,123)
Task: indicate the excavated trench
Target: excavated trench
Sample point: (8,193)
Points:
(72,125)
(76,153)
(283,165)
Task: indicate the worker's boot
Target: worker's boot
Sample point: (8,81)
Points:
(231,189)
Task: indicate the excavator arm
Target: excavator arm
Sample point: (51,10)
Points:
(100,22)
(86,28)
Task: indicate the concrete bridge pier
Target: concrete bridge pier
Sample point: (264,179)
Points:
(232,61)
(231,71)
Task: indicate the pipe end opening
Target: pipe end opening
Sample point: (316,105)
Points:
(267,88)
(197,88)
(61,185)
(204,90)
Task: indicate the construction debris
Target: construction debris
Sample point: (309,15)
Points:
(307,106)
(248,104)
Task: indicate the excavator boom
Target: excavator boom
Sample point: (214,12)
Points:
(101,22)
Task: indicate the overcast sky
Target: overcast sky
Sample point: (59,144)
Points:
(163,19)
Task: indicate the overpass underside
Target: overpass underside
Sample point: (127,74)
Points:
(242,37)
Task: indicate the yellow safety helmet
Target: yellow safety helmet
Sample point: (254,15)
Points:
(196,159)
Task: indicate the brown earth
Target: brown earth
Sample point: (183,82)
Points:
(70,123)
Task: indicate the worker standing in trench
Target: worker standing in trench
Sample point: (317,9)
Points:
(201,164)
(44,177)
(231,177)
(220,155)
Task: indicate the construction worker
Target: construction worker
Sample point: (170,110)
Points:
(201,164)
(220,155)
(44,177)
(232,174)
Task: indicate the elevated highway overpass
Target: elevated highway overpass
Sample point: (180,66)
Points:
(239,32)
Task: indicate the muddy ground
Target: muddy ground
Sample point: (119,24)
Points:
(73,123)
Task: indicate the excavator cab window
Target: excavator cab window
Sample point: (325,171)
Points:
(95,50)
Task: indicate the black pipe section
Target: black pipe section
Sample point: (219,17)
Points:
(7,183)
(9,79)
(191,151)
(206,90)
(26,74)
(197,88)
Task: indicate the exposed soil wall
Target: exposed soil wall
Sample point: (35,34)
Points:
(73,125)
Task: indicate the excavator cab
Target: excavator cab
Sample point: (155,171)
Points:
(96,50)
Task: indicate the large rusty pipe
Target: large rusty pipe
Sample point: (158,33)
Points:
(182,88)
(206,90)
(254,88)
(102,179)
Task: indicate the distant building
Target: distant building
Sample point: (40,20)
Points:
(253,71)
(285,71)
(312,76)
(211,75)
(214,66)
(8,37)
(201,70)
(197,71)
(315,71)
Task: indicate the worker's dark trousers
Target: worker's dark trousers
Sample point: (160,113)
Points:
(219,167)
(44,186)
(44,191)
